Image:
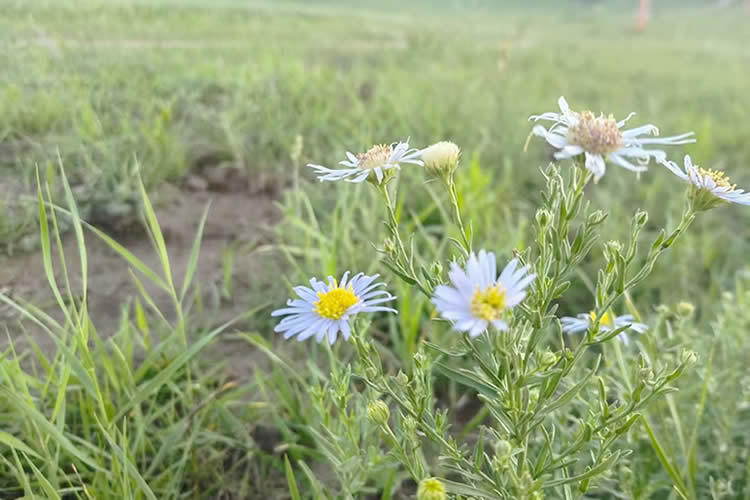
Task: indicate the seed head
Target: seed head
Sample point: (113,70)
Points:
(596,134)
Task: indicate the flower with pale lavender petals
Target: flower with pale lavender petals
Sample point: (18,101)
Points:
(478,297)
(324,310)
(607,323)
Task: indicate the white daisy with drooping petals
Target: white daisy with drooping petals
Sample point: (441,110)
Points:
(598,137)
(607,323)
(479,298)
(710,188)
(324,310)
(379,159)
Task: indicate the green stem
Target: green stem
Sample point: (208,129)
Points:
(465,239)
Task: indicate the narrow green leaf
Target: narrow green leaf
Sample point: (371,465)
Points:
(194,253)
(17,444)
(293,490)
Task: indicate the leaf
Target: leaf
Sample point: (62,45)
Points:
(152,385)
(50,429)
(466,378)
(676,479)
(16,444)
(293,490)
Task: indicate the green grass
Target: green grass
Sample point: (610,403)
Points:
(142,412)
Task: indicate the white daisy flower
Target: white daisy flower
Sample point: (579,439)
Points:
(607,323)
(478,296)
(600,137)
(324,310)
(378,159)
(710,188)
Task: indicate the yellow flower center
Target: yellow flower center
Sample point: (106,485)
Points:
(596,134)
(335,302)
(719,177)
(488,304)
(376,156)
(606,319)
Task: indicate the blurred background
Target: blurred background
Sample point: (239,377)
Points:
(227,100)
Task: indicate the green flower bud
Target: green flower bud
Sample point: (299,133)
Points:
(389,246)
(436,269)
(402,379)
(689,357)
(596,217)
(503,450)
(378,412)
(548,359)
(685,309)
(543,217)
(641,217)
(431,489)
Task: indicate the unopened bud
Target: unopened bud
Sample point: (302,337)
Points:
(503,451)
(596,217)
(689,357)
(613,246)
(419,360)
(431,489)
(543,217)
(548,359)
(402,379)
(436,269)
(389,246)
(685,309)
(378,412)
(641,217)
(441,159)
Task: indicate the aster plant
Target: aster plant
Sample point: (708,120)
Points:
(548,422)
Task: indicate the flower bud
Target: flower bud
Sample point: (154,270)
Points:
(419,360)
(689,357)
(548,359)
(596,217)
(441,159)
(378,412)
(389,247)
(543,217)
(641,217)
(431,489)
(503,450)
(685,309)
(436,269)
(402,379)
(409,425)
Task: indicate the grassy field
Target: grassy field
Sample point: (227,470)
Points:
(152,396)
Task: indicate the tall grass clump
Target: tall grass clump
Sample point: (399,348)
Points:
(129,413)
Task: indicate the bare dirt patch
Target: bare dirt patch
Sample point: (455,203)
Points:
(237,221)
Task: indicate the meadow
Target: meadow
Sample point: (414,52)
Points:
(155,208)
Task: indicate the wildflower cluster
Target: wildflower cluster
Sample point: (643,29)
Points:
(548,423)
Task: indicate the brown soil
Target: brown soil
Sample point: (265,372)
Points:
(237,219)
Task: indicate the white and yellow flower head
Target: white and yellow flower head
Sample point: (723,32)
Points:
(709,188)
(441,158)
(324,310)
(379,160)
(598,137)
(478,297)
(607,323)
